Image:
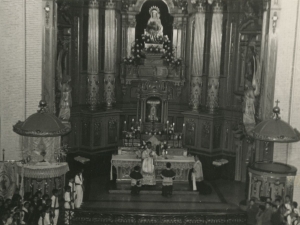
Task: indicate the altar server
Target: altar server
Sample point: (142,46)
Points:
(68,204)
(79,189)
(55,206)
(46,218)
(197,175)
(168,175)
(72,191)
(136,181)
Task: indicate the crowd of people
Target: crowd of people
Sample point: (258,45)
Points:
(279,212)
(43,209)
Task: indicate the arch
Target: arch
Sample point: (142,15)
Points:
(139,4)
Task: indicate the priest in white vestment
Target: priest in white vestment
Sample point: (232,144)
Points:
(148,170)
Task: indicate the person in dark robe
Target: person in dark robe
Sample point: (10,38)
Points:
(4,218)
(260,214)
(252,210)
(33,216)
(276,218)
(136,181)
(168,175)
(24,212)
(267,214)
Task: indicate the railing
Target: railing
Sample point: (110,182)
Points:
(81,217)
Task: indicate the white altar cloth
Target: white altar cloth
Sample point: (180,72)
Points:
(180,164)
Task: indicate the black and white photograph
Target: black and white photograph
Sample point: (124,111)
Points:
(149,112)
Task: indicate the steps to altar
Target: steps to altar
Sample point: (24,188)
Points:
(179,188)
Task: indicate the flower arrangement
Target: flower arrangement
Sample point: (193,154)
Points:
(136,54)
(169,57)
(154,49)
(160,40)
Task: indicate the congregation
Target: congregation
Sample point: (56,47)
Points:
(279,212)
(43,209)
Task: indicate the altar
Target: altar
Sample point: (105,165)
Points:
(181,165)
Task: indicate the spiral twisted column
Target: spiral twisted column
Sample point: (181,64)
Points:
(93,97)
(110,54)
(215,57)
(198,30)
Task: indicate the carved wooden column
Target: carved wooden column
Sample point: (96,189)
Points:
(197,56)
(179,41)
(215,57)
(49,53)
(93,97)
(128,33)
(110,53)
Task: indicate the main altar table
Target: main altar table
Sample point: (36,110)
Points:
(180,164)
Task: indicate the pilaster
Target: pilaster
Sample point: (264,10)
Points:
(49,42)
(197,56)
(110,53)
(93,97)
(215,57)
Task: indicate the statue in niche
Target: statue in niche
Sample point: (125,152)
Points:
(252,88)
(64,86)
(153,110)
(154,26)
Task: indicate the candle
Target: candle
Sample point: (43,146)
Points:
(132,120)
(3,155)
(124,125)
(168,122)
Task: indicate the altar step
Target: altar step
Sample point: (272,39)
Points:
(180,188)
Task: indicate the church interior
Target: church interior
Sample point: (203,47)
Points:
(96,90)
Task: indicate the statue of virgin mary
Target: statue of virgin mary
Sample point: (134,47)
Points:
(154,26)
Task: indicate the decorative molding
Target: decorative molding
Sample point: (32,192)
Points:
(97,132)
(109,90)
(93,3)
(217,6)
(47,13)
(274,23)
(127,4)
(93,95)
(199,5)
(110,5)
(195,95)
(212,94)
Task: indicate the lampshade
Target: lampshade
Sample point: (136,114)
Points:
(41,124)
(275,130)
